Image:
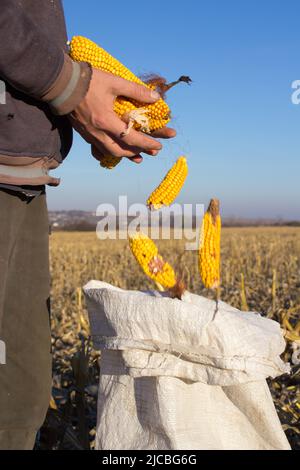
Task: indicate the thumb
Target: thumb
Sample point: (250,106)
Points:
(140,93)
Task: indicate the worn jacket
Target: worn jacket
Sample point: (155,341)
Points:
(42,85)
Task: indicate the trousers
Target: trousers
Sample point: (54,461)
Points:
(25,338)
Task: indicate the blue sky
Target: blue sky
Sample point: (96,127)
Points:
(236,122)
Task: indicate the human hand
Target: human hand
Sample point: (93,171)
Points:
(98,124)
(164,133)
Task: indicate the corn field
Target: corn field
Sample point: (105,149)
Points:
(260,272)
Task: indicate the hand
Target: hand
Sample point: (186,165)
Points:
(164,133)
(98,124)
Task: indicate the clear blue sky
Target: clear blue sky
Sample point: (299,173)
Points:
(236,123)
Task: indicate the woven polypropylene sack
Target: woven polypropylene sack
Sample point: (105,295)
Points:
(183,374)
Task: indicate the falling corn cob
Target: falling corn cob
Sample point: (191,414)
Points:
(170,186)
(209,250)
(144,117)
(146,253)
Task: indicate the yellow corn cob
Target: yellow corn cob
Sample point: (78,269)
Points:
(109,162)
(170,186)
(146,253)
(209,250)
(144,117)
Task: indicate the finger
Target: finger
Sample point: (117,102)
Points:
(96,152)
(138,159)
(109,146)
(152,152)
(117,128)
(126,150)
(140,93)
(164,133)
(110,142)
(144,142)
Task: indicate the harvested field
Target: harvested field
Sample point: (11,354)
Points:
(260,272)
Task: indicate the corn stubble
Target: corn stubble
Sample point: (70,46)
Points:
(77,257)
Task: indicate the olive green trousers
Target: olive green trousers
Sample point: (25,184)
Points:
(25,377)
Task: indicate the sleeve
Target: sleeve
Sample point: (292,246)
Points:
(36,66)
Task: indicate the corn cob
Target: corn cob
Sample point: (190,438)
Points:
(209,250)
(109,162)
(146,253)
(144,117)
(170,186)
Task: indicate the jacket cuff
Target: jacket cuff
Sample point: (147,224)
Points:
(70,87)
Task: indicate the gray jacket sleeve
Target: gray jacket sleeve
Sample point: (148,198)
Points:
(28,61)
(33,64)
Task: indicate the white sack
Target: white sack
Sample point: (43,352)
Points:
(186,374)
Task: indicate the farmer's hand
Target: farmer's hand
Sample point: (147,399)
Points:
(98,124)
(165,133)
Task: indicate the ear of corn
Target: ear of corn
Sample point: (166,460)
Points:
(146,253)
(109,162)
(144,117)
(209,250)
(170,186)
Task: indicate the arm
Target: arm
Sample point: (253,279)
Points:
(41,69)
(35,66)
